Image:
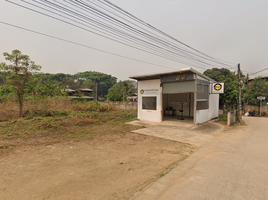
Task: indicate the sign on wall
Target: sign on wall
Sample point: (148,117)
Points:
(217,88)
(149,91)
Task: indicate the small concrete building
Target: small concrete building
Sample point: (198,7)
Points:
(133,97)
(176,95)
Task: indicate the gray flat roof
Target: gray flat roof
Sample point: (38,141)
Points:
(85,90)
(158,75)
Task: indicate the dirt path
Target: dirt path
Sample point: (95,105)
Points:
(110,167)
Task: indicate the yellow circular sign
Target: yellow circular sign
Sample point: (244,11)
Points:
(217,86)
(142,91)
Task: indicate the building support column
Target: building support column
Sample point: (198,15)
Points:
(195,98)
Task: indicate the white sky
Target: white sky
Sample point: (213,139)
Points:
(232,30)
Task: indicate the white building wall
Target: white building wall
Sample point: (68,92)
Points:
(151,88)
(202,116)
(208,114)
(213,105)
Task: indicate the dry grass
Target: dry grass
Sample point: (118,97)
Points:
(54,119)
(49,106)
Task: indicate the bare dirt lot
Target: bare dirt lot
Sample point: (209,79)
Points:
(109,166)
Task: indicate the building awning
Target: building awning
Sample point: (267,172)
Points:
(159,75)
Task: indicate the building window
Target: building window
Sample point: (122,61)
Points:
(201,105)
(202,92)
(149,103)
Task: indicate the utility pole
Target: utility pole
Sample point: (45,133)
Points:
(247,88)
(240,101)
(96,91)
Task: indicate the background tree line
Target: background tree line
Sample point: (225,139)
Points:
(47,84)
(22,77)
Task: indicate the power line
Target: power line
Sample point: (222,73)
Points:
(187,62)
(156,48)
(152,27)
(159,39)
(259,71)
(79,44)
(115,29)
(154,53)
(77,1)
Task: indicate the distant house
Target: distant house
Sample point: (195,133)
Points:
(133,97)
(85,91)
(70,92)
(80,94)
(263,78)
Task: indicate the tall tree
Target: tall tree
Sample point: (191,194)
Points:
(230,96)
(19,72)
(258,87)
(121,90)
(103,81)
(116,93)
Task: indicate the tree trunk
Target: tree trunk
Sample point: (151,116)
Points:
(20,98)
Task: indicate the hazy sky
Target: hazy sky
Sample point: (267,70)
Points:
(232,30)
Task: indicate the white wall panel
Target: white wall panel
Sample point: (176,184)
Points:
(178,87)
(202,116)
(213,105)
(151,88)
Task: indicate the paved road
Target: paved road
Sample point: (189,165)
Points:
(234,165)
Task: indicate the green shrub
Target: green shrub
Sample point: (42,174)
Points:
(93,106)
(223,117)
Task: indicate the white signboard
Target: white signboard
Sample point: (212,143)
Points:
(217,88)
(149,91)
(261,98)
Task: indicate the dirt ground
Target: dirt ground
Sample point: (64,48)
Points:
(107,167)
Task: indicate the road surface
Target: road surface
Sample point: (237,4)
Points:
(233,165)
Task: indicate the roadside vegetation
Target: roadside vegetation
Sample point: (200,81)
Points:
(34,105)
(59,118)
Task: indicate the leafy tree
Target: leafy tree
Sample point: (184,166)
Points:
(103,81)
(86,79)
(89,84)
(131,86)
(230,96)
(5,91)
(116,93)
(58,77)
(19,72)
(121,90)
(71,82)
(3,79)
(48,88)
(258,87)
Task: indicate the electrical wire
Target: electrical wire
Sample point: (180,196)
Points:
(152,27)
(163,56)
(97,20)
(86,46)
(137,31)
(154,46)
(258,71)
(184,62)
